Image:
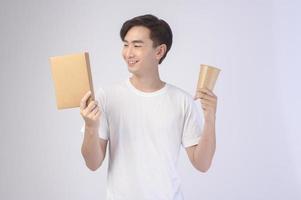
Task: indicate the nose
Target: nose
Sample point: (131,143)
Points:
(129,52)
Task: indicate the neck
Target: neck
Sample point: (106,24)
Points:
(147,83)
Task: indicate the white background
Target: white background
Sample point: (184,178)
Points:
(255,43)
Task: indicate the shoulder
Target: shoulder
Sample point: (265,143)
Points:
(184,99)
(180,93)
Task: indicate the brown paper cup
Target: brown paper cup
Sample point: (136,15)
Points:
(207,77)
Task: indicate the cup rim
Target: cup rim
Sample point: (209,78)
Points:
(211,67)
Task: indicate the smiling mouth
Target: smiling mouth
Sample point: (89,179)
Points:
(132,62)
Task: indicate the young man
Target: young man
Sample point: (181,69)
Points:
(146,120)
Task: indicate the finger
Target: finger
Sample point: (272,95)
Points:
(206,102)
(90,107)
(92,113)
(206,91)
(91,116)
(83,102)
(95,110)
(199,96)
(97,114)
(205,96)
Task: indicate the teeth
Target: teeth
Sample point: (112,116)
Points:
(132,62)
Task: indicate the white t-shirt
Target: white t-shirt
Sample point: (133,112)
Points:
(145,131)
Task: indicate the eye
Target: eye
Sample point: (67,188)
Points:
(137,46)
(125,45)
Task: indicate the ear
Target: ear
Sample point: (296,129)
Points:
(160,51)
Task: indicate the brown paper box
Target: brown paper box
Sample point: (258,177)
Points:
(207,77)
(72,79)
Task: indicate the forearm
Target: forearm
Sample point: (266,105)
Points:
(204,151)
(91,150)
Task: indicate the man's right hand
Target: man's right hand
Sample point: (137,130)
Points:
(90,113)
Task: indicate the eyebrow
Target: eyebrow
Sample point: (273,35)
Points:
(134,41)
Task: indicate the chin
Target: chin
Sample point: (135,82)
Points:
(133,71)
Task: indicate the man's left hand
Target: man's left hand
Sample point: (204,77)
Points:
(208,101)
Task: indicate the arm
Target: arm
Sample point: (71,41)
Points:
(201,155)
(93,148)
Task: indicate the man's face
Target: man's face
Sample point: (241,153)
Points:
(138,51)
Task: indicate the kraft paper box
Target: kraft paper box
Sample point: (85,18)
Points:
(207,77)
(72,79)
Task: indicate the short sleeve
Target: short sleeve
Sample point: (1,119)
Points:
(193,123)
(103,131)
